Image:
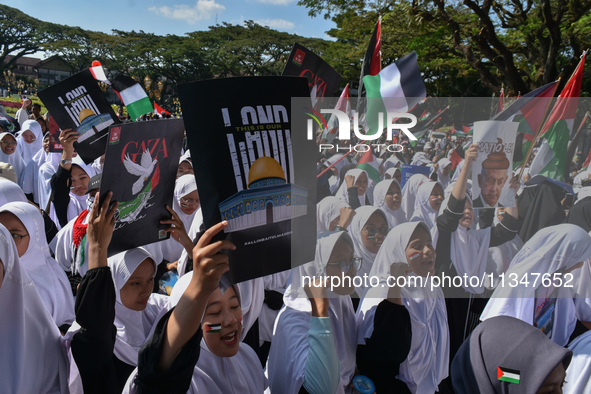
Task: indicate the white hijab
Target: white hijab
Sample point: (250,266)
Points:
(551,250)
(342,192)
(133,327)
(423,211)
(327,210)
(409,193)
(288,356)
(33,358)
(10,191)
(362,215)
(391,171)
(14,159)
(50,280)
(395,217)
(427,362)
(24,149)
(441,178)
(333,181)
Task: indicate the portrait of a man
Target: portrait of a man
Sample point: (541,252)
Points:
(491,180)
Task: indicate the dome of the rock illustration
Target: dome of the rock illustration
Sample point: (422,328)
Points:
(265,168)
(85,113)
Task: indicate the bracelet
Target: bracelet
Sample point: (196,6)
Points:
(339,228)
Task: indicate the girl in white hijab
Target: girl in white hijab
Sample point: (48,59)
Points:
(427,203)
(33,358)
(197,344)
(409,193)
(298,352)
(407,256)
(30,178)
(9,154)
(328,212)
(393,173)
(368,230)
(50,280)
(555,251)
(334,180)
(356,188)
(29,139)
(443,172)
(10,192)
(388,197)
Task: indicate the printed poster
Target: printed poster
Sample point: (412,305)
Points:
(253,169)
(78,103)
(54,135)
(408,170)
(323,80)
(140,168)
(492,170)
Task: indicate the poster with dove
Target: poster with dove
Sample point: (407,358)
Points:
(140,167)
(78,103)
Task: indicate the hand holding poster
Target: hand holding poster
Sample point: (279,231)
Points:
(492,170)
(244,149)
(78,103)
(140,168)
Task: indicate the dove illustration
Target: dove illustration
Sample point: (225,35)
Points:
(143,170)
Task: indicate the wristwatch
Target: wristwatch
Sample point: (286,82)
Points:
(66,161)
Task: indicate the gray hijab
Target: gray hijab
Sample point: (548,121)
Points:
(508,343)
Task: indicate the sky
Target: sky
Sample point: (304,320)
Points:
(177,17)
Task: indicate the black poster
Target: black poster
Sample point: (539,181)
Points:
(321,76)
(78,103)
(140,167)
(253,169)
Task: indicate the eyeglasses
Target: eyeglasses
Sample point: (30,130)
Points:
(187,202)
(346,265)
(17,238)
(372,231)
(9,143)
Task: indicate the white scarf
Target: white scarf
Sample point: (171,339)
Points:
(286,374)
(33,358)
(327,210)
(441,178)
(551,250)
(14,159)
(50,280)
(409,193)
(24,149)
(427,362)
(9,192)
(343,194)
(133,327)
(395,217)
(423,211)
(334,180)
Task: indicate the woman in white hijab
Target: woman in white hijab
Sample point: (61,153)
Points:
(427,203)
(388,197)
(26,223)
(30,178)
(393,173)
(33,358)
(443,171)
(405,309)
(334,180)
(9,154)
(299,356)
(368,230)
(328,213)
(354,188)
(554,251)
(409,193)
(195,347)
(29,139)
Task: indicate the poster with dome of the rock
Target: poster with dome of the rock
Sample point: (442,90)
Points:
(78,103)
(254,169)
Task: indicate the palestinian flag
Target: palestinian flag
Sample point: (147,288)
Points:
(343,105)
(558,126)
(133,96)
(212,328)
(508,375)
(455,159)
(397,88)
(369,164)
(159,110)
(372,65)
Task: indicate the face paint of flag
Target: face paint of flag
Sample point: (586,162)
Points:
(414,256)
(213,328)
(508,375)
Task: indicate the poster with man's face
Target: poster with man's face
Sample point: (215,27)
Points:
(492,171)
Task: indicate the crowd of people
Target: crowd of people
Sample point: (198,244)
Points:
(75,320)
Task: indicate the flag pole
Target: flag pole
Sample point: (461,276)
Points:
(333,164)
(540,128)
(573,146)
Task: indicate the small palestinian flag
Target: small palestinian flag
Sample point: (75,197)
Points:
(508,375)
(133,96)
(212,328)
